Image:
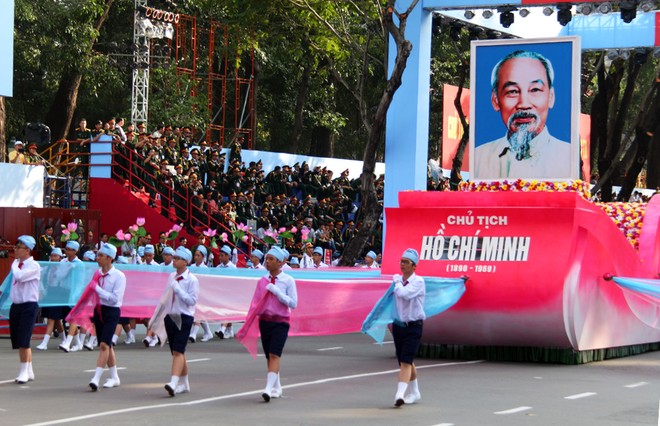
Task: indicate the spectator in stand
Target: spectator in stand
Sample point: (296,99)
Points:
(255,258)
(317,257)
(46,243)
(236,147)
(369,261)
(17,156)
(33,157)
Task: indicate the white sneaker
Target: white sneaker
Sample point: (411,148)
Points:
(192,339)
(182,388)
(276,393)
(77,348)
(170,389)
(129,340)
(111,383)
(153,342)
(43,346)
(412,398)
(266,395)
(206,337)
(229,333)
(399,401)
(94,386)
(22,378)
(64,347)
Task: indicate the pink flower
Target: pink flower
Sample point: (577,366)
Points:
(140,221)
(210,233)
(127,237)
(133,228)
(224,237)
(177,228)
(304,233)
(282,229)
(120,235)
(66,232)
(245,238)
(72,226)
(242,227)
(294,230)
(270,233)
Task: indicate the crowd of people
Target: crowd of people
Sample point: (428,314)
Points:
(194,183)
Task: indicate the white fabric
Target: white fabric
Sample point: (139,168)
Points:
(186,293)
(410,298)
(114,285)
(25,287)
(550,159)
(22,185)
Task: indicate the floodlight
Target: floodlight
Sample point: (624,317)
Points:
(468,14)
(628,11)
(523,13)
(547,11)
(506,18)
(605,8)
(487,14)
(564,14)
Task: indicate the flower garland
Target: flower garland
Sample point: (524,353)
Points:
(629,217)
(579,186)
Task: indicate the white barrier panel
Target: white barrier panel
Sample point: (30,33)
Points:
(22,185)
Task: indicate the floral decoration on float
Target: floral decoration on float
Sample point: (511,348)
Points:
(628,217)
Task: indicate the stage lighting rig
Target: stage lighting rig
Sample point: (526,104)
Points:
(646,6)
(524,13)
(487,14)
(628,11)
(468,14)
(585,8)
(506,15)
(605,8)
(547,11)
(564,14)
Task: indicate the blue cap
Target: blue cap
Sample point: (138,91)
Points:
(184,253)
(371,254)
(74,245)
(277,252)
(286,253)
(28,241)
(412,255)
(149,249)
(200,248)
(258,254)
(57,251)
(122,260)
(226,249)
(89,255)
(140,251)
(318,250)
(294,261)
(169,250)
(109,250)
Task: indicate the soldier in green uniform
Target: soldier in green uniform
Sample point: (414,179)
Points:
(46,243)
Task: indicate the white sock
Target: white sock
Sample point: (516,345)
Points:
(131,334)
(115,338)
(174,381)
(194,330)
(68,340)
(184,380)
(413,386)
(29,369)
(206,328)
(270,381)
(46,339)
(24,368)
(278,385)
(81,338)
(401,389)
(113,372)
(97,374)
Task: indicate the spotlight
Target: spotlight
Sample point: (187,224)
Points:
(455,31)
(624,54)
(628,11)
(585,8)
(646,6)
(487,14)
(506,15)
(547,11)
(468,14)
(605,8)
(524,13)
(564,14)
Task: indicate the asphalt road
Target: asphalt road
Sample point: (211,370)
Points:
(327,380)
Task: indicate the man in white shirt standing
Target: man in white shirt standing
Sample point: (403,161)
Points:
(110,290)
(24,295)
(409,292)
(179,321)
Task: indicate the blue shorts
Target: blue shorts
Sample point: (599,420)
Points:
(178,338)
(273,337)
(22,317)
(406,341)
(105,323)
